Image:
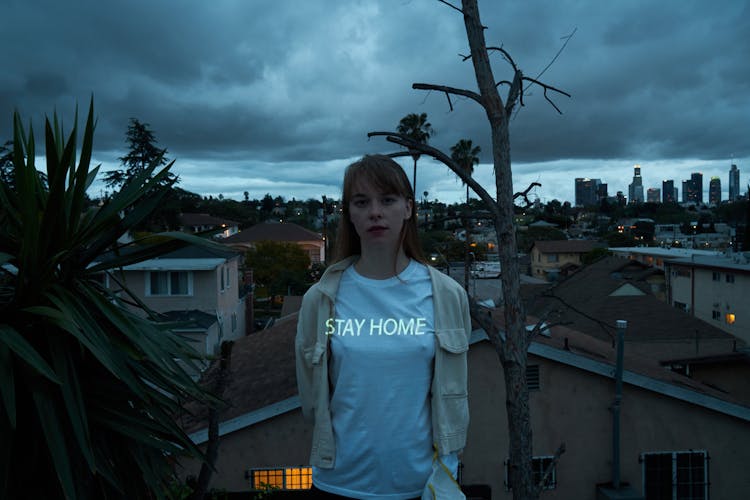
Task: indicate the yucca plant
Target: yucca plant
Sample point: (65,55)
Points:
(89,388)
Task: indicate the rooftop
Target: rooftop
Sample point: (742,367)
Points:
(614,288)
(566,246)
(273,231)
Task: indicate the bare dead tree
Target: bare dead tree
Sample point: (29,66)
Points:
(220,384)
(512,344)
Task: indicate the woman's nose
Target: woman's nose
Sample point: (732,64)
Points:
(376,209)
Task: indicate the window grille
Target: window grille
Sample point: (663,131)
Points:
(538,466)
(675,475)
(281,478)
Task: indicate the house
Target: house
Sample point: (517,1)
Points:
(196,285)
(197,223)
(555,259)
(714,289)
(672,425)
(613,288)
(657,256)
(310,242)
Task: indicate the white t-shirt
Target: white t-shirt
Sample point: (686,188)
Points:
(383,346)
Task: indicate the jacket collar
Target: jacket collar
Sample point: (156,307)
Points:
(329,282)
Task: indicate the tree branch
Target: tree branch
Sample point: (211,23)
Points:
(506,56)
(448,90)
(567,39)
(451,6)
(410,144)
(525,193)
(483,316)
(550,468)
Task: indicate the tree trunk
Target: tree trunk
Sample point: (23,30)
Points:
(212,448)
(513,352)
(414,177)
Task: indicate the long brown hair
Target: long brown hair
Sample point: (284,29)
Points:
(386,176)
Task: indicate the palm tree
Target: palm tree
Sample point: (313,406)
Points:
(417,128)
(89,388)
(466,155)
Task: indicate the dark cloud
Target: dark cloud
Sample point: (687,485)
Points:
(282,83)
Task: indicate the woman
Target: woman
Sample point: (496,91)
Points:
(381,349)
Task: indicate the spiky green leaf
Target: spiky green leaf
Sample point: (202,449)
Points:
(11,338)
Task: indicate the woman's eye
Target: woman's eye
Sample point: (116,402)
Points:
(389,200)
(359,203)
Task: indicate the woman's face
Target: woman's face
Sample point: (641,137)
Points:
(378,217)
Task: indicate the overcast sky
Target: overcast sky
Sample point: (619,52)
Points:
(277,96)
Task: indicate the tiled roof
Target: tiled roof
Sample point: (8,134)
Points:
(271,231)
(583,301)
(567,246)
(262,373)
(191,219)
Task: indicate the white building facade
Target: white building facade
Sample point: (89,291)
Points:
(714,289)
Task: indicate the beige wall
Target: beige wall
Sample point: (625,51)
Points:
(705,295)
(571,407)
(207,297)
(282,441)
(540,263)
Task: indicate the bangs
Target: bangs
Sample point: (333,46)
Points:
(381,172)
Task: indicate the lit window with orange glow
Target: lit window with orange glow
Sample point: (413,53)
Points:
(730,318)
(298,478)
(286,478)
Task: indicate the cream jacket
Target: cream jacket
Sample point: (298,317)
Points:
(448,394)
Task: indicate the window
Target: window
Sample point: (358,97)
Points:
(716,276)
(681,271)
(716,314)
(532,377)
(234,321)
(681,306)
(730,278)
(730,318)
(552,257)
(680,475)
(169,283)
(539,466)
(283,478)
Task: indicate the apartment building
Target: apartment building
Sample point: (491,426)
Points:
(715,289)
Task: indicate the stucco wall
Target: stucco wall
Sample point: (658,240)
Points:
(282,441)
(573,407)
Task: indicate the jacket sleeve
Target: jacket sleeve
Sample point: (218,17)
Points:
(304,343)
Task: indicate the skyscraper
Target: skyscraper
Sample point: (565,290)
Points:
(714,191)
(734,183)
(692,190)
(653,195)
(635,189)
(667,192)
(697,179)
(587,191)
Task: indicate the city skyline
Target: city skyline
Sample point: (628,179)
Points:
(686,193)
